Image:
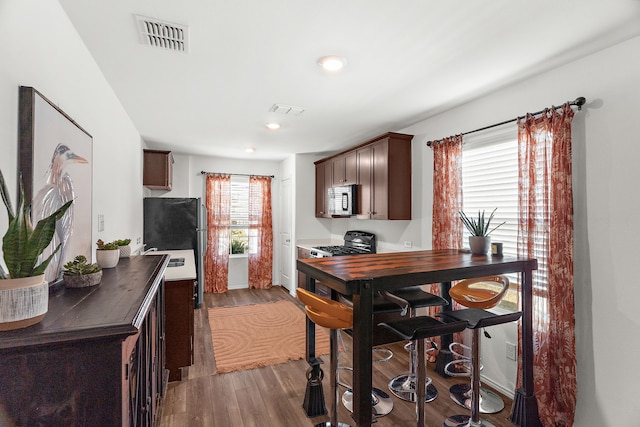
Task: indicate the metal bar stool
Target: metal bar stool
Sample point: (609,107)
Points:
(381,401)
(482,293)
(409,299)
(333,316)
(476,319)
(418,329)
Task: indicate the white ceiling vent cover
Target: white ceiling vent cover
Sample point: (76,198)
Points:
(290,110)
(166,35)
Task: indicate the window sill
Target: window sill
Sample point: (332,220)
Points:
(238,255)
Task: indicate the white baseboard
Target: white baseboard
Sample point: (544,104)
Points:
(498,387)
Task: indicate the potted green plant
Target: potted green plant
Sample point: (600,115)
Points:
(24,294)
(123,246)
(238,247)
(80,274)
(108,254)
(479,240)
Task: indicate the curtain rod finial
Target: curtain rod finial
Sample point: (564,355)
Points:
(580,101)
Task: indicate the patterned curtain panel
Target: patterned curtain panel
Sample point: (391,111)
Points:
(447,201)
(447,193)
(545,232)
(260,233)
(216,261)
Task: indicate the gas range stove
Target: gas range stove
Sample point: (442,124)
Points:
(355,243)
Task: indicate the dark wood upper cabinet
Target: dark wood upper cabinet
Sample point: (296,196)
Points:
(344,169)
(158,170)
(323,183)
(382,173)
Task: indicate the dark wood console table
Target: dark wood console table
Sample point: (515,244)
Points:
(363,275)
(96,359)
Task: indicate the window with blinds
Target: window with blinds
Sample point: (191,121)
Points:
(239,215)
(490,181)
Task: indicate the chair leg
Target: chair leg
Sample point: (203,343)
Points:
(473,420)
(381,402)
(421,375)
(403,386)
(475,377)
(333,379)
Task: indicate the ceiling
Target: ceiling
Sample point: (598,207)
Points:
(407,60)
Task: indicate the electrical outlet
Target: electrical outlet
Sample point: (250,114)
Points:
(138,240)
(511,350)
(100,222)
(408,243)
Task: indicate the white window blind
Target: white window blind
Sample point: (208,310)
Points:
(489,181)
(239,214)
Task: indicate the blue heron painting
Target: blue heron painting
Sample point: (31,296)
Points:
(57,191)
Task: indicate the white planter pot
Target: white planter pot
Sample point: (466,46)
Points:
(107,258)
(480,245)
(125,251)
(23,302)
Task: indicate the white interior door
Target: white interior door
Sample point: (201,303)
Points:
(286,253)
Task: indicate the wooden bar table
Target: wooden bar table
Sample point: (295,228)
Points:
(361,276)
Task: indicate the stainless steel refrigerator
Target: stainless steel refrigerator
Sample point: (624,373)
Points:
(172,223)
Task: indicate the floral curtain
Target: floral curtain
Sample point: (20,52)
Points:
(260,233)
(216,261)
(446,227)
(447,193)
(545,232)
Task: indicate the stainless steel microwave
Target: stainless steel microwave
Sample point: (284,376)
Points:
(342,200)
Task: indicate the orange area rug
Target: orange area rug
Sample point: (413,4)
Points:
(257,335)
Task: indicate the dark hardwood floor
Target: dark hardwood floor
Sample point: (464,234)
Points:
(273,395)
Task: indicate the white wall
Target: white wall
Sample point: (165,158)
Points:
(42,49)
(189,182)
(606,209)
(307,225)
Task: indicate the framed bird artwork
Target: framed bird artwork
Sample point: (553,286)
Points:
(55,161)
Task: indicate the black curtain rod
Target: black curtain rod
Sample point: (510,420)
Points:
(579,102)
(237,174)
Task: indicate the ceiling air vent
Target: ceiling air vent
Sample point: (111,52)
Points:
(166,35)
(290,110)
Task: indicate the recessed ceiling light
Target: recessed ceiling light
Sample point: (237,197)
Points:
(250,150)
(332,63)
(273,126)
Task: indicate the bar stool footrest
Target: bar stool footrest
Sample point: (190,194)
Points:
(490,402)
(403,387)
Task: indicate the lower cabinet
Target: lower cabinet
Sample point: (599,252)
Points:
(96,359)
(179,326)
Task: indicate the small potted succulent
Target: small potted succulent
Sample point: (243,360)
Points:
(108,254)
(79,274)
(479,240)
(125,249)
(24,292)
